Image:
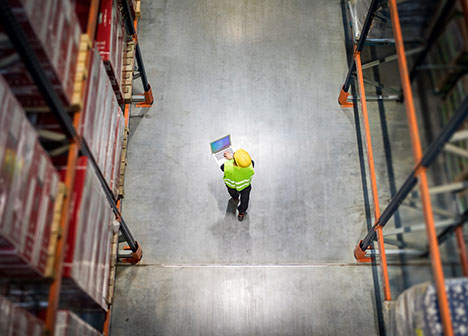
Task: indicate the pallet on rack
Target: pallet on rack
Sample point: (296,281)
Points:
(55,231)
(123,163)
(81,73)
(113,264)
(450,78)
(137,8)
(127,71)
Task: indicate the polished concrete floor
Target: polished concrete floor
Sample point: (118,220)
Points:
(268,73)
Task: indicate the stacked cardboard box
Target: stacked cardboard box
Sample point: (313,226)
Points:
(15,321)
(110,42)
(103,123)
(132,5)
(456,164)
(53,31)
(87,257)
(28,188)
(127,72)
(450,49)
(68,324)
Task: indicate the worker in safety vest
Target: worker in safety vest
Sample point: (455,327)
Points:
(238,173)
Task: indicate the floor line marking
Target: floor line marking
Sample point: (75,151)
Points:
(305,265)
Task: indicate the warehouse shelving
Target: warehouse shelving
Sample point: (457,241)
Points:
(70,123)
(363,251)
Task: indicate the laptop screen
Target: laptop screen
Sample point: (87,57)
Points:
(220,144)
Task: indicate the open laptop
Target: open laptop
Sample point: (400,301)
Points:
(219,147)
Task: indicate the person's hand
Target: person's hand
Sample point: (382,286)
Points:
(228,155)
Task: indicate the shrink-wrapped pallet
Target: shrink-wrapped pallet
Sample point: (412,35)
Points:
(110,42)
(53,31)
(416,311)
(28,189)
(68,324)
(414,18)
(15,321)
(101,122)
(87,257)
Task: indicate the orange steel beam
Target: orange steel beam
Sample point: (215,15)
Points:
(54,289)
(92,19)
(106,327)
(423,184)
(462,250)
(464,5)
(127,114)
(459,230)
(373,180)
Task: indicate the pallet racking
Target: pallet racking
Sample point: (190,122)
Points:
(69,118)
(422,160)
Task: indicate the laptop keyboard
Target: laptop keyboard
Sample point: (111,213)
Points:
(220,155)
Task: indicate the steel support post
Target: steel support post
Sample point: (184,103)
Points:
(31,62)
(430,155)
(459,136)
(462,250)
(421,172)
(390,58)
(378,98)
(433,36)
(343,97)
(455,150)
(373,180)
(139,59)
(458,229)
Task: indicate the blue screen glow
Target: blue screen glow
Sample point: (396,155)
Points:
(217,145)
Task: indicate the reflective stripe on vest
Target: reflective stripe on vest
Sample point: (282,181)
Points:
(236,177)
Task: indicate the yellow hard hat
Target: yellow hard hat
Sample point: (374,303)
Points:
(242,158)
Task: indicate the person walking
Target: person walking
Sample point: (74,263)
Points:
(238,173)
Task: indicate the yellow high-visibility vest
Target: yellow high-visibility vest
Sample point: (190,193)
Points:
(236,177)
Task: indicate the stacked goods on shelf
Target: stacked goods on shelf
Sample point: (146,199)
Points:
(110,42)
(28,189)
(123,163)
(103,123)
(87,257)
(68,324)
(15,321)
(414,12)
(127,73)
(53,31)
(456,164)
(451,49)
(133,5)
(137,8)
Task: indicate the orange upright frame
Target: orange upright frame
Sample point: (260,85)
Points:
(54,290)
(370,161)
(420,173)
(106,328)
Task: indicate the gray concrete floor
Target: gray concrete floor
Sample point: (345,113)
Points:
(268,73)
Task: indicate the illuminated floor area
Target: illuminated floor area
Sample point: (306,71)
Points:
(268,73)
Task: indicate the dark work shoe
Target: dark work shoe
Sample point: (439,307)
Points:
(241,216)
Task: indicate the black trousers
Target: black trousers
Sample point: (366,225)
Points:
(244,197)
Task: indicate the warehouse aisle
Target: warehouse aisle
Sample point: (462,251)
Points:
(268,73)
